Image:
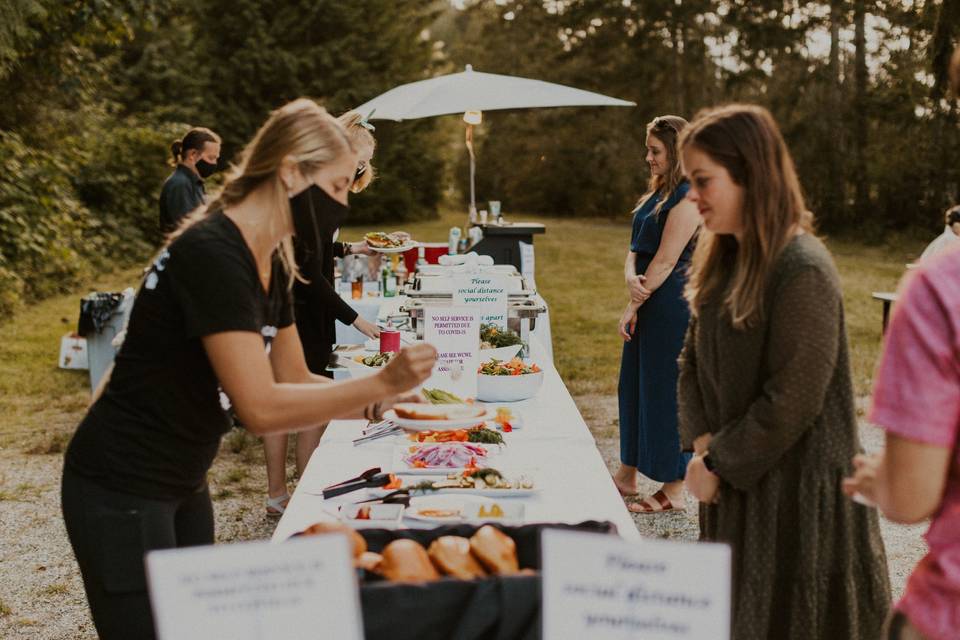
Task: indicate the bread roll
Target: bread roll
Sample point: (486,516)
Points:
(495,550)
(369,561)
(451,556)
(356,540)
(407,561)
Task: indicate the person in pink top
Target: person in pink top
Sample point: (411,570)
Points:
(916,399)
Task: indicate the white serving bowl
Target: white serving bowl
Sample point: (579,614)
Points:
(508,388)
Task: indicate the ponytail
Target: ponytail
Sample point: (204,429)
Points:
(176,149)
(195,138)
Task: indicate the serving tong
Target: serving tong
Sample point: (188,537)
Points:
(376,431)
(367,480)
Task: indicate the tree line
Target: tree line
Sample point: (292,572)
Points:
(94,92)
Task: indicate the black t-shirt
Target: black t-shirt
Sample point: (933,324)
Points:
(157,427)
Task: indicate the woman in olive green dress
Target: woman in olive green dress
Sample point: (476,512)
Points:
(765,397)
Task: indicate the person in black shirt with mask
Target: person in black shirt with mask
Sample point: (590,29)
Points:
(212,329)
(195,158)
(318,307)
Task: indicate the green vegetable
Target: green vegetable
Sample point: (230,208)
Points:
(377,360)
(439,396)
(497,337)
(485,436)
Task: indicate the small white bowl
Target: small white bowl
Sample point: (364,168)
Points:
(508,388)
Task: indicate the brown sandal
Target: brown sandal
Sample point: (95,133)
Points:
(623,492)
(659,498)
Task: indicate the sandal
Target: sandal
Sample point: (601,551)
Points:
(276,506)
(624,492)
(659,499)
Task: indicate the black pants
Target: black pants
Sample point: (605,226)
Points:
(110,532)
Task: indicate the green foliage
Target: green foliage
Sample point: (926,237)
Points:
(339,53)
(43,226)
(121,176)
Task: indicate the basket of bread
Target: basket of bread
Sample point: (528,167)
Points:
(455,581)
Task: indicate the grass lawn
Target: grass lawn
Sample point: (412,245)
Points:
(579,265)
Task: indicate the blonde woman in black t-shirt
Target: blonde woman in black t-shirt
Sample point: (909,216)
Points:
(212,328)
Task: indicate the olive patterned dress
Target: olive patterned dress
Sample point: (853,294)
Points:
(808,563)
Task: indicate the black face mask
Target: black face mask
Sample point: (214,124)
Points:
(316,216)
(206,169)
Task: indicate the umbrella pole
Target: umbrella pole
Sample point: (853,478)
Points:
(473,171)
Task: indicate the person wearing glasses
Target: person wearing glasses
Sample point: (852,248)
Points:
(318,307)
(653,325)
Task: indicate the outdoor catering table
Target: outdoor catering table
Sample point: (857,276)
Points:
(554,447)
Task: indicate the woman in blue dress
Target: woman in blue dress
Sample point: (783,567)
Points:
(653,325)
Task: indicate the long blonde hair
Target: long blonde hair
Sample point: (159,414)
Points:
(746,141)
(667,130)
(302,130)
(358,130)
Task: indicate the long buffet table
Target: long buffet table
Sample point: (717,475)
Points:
(554,447)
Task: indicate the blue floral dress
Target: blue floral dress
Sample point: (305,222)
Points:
(649,436)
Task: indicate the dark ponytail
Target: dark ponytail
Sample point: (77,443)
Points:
(194,139)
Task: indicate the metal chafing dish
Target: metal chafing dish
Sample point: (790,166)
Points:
(432,285)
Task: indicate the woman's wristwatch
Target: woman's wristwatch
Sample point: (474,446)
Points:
(347,249)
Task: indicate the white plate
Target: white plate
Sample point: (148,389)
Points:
(382,516)
(404,247)
(401,451)
(436,425)
(468,506)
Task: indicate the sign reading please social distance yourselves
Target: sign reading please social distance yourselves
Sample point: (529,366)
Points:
(455,333)
(605,588)
(488,292)
(256,591)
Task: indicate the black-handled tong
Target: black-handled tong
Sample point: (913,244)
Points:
(400,496)
(378,480)
(366,475)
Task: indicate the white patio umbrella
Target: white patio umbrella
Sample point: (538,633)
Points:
(472,92)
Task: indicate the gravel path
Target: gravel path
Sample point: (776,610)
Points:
(41,595)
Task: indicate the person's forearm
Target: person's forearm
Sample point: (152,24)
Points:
(293,407)
(657,273)
(629,267)
(906,501)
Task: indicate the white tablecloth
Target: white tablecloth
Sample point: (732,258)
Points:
(554,447)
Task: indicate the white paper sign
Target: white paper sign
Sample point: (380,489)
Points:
(486,291)
(297,590)
(455,334)
(73,352)
(603,588)
(527,263)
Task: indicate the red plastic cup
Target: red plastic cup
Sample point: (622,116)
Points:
(389,341)
(431,253)
(433,250)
